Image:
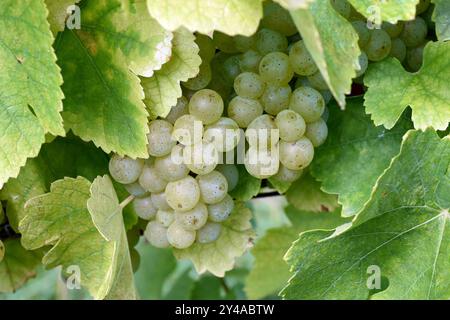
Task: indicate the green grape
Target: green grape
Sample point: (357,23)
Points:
(249,85)
(231,173)
(224,134)
(209,233)
(206,105)
(183,195)
(187,130)
(261,163)
(414,58)
(259,131)
(317,132)
(393,30)
(201,158)
(327,95)
(277,18)
(276,98)
(296,155)
(160,201)
(422,6)
(276,69)
(363,64)
(135,259)
(124,169)
(213,187)
(180,109)
(307,102)
(362,31)
(244,110)
(201,80)
(220,211)
(171,167)
(144,208)
(414,32)
(268,41)
(249,61)
(159,137)
(291,125)
(165,217)
(342,7)
(231,69)
(179,237)
(193,219)
(151,180)
(325,114)
(156,234)
(287,175)
(398,49)
(243,43)
(379,45)
(300,59)
(224,42)
(206,46)
(135,189)
(317,81)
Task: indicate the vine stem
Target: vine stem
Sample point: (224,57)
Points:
(127,201)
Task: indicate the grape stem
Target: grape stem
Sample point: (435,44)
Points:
(125,202)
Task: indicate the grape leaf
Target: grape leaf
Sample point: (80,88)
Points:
(270,249)
(61,219)
(229,16)
(278,185)
(30,93)
(332,42)
(391,11)
(103,98)
(294,4)
(404,230)
(58,13)
(163,89)
(17,266)
(2,250)
(217,257)
(306,194)
(355,154)
(441,16)
(392,89)
(247,187)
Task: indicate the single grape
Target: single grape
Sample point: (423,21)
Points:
(231,173)
(276,69)
(201,158)
(159,137)
(213,187)
(414,32)
(231,69)
(144,208)
(224,42)
(317,132)
(193,219)
(243,43)
(307,102)
(363,64)
(224,134)
(209,233)
(220,211)
(259,131)
(249,85)
(398,49)
(206,105)
(291,125)
(180,109)
(156,234)
(393,30)
(296,155)
(379,45)
(317,81)
(327,96)
(362,31)
(171,167)
(244,110)
(342,7)
(325,114)
(276,98)
(124,169)
(135,189)
(287,175)
(277,18)
(414,58)
(201,80)
(422,6)
(179,237)
(151,180)
(300,59)
(165,217)
(160,201)
(249,61)
(268,41)
(183,195)
(188,130)
(261,163)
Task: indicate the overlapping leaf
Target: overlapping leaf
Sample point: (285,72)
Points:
(391,11)
(392,89)
(58,13)
(294,4)
(441,16)
(248,186)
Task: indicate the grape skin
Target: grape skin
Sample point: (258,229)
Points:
(124,169)
(224,134)
(209,233)
(300,59)
(156,234)
(206,105)
(151,181)
(144,208)
(317,132)
(160,201)
(268,41)
(276,69)
(398,49)
(165,217)
(276,98)
(414,32)
(160,140)
(184,194)
(308,103)
(317,81)
(249,61)
(213,187)
(296,155)
(187,130)
(220,211)
(379,45)
(231,173)
(244,110)
(171,167)
(201,158)
(362,31)
(287,175)
(135,189)
(179,237)
(249,85)
(180,109)
(291,125)
(261,164)
(193,219)
(261,130)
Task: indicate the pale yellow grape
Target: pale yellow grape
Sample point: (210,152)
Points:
(231,173)
(220,211)
(201,158)
(268,41)
(300,59)
(144,208)
(317,132)
(249,61)
(317,81)
(259,131)
(287,175)
(193,219)
(178,110)
(209,233)
(160,140)
(135,189)
(276,98)
(172,167)
(187,130)
(249,85)
(160,201)
(277,18)
(296,155)
(206,105)
(213,187)
(291,125)
(151,180)
(124,169)
(379,45)
(156,234)
(261,164)
(183,195)
(276,69)
(224,134)
(165,217)
(307,102)
(244,110)
(179,237)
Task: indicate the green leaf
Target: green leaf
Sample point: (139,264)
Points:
(333,44)
(270,249)
(392,89)
(404,230)
(280,186)
(219,256)
(17,266)
(60,219)
(391,11)
(163,89)
(441,16)
(306,194)
(2,250)
(294,4)
(355,154)
(30,93)
(103,98)
(58,13)
(229,16)
(247,187)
